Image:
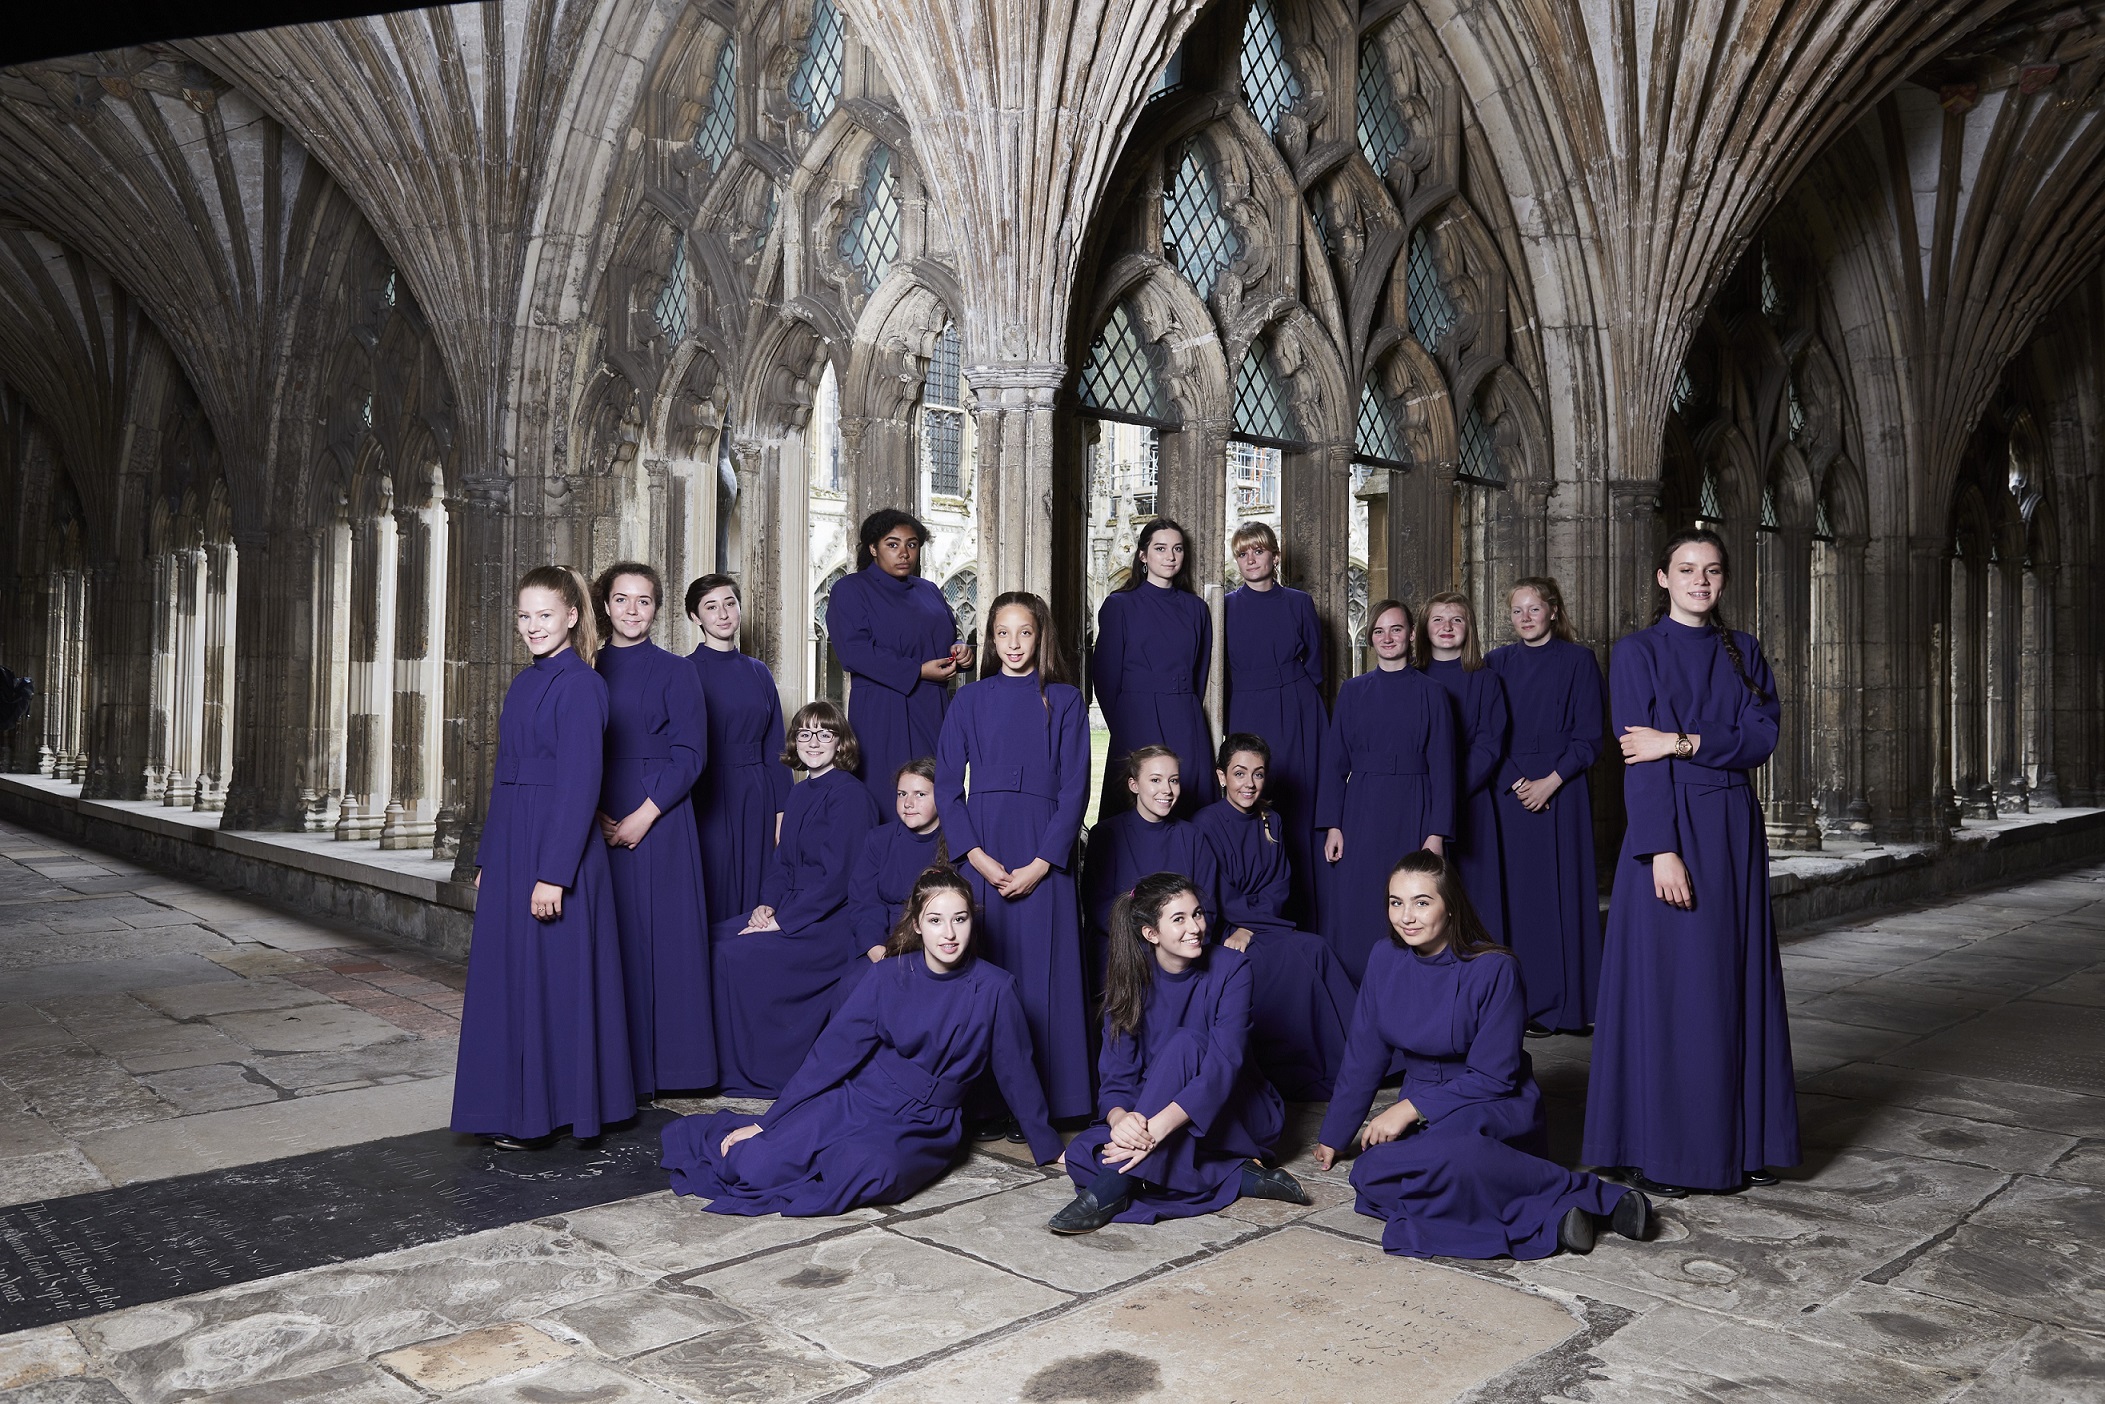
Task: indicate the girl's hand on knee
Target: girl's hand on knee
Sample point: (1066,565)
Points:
(743,1133)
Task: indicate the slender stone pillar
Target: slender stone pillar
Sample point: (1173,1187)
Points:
(369,679)
(1783,591)
(480,653)
(2006,683)
(411,818)
(217,722)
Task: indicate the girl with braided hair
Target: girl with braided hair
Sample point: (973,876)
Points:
(1692,1081)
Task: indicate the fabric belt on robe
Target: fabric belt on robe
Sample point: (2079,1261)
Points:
(915,1083)
(1259,678)
(528,770)
(1388,763)
(734,753)
(1151,687)
(1690,775)
(984,779)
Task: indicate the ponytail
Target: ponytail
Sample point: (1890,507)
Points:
(577,595)
(1130,969)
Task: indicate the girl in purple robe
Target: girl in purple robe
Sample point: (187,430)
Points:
(894,856)
(1388,784)
(1148,838)
(1274,684)
(873,1115)
(657,745)
(782,970)
(738,801)
(1012,780)
(896,636)
(1692,1081)
(1303,1001)
(1154,650)
(1455,1167)
(544,1042)
(1187,1118)
(1446,648)
(1545,809)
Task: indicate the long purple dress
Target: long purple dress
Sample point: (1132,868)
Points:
(873,1115)
(1469,1181)
(1154,648)
(1191,1049)
(1303,1002)
(1275,690)
(657,745)
(1123,849)
(776,989)
(1012,777)
(1692,1079)
(1553,904)
(745,785)
(1481,725)
(544,1039)
(1388,781)
(893,858)
(884,629)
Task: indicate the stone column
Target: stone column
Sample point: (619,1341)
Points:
(329,626)
(1316,499)
(1013,418)
(411,817)
(1835,686)
(1906,670)
(1632,543)
(2006,683)
(369,679)
(1969,685)
(186,716)
(1783,591)
(120,681)
(268,783)
(160,720)
(480,653)
(70,759)
(221,568)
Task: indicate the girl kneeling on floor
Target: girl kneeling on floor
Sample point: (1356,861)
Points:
(874,1114)
(1187,1116)
(1455,1166)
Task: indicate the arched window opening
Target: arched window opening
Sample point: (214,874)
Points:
(815,85)
(943,420)
(1772,303)
(1197,238)
(962,593)
(1380,438)
(828,539)
(830,679)
(1710,513)
(1432,312)
(1768,522)
(670,310)
(1269,86)
(1127,408)
(1383,133)
(1121,378)
(870,240)
(1480,498)
(1684,392)
(1265,427)
(718,128)
(1795,410)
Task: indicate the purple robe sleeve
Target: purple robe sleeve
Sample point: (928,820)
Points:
(1205,875)
(1107,660)
(1118,1072)
(1202,659)
(687,734)
(953,754)
(1585,746)
(580,713)
(779,875)
(1359,1075)
(1311,633)
(1487,732)
(1070,751)
(1221,1066)
(852,627)
(834,835)
(1491,1071)
(866,906)
(1648,788)
(1017,1075)
(779,775)
(1099,877)
(1439,762)
(848,1039)
(1335,765)
(1750,737)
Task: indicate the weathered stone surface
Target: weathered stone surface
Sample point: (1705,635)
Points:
(2038,1250)
(2047,1367)
(50,1175)
(345,1384)
(212,1087)
(977,1177)
(747,1363)
(1932,1136)
(1677,1354)
(474,1357)
(229,997)
(572,1382)
(630,1323)
(94,976)
(2050,1045)
(1971,1098)
(314,1028)
(412,1058)
(32,1357)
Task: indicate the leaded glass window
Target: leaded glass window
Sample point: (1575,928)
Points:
(1269,85)
(670,309)
(1479,451)
(712,138)
(1823,527)
(1796,410)
(1262,410)
(1197,238)
(1684,391)
(1708,507)
(1768,512)
(1771,296)
(943,418)
(1432,311)
(1381,426)
(365,411)
(870,241)
(815,85)
(1383,134)
(387,289)
(1120,379)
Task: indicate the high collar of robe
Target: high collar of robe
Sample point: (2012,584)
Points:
(930,837)
(882,578)
(1029,680)
(634,653)
(1445,957)
(560,662)
(1672,628)
(920,966)
(1189,972)
(828,777)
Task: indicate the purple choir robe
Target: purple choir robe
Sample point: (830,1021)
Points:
(1692,1078)
(1012,778)
(893,858)
(1481,726)
(1302,1006)
(1154,648)
(1552,893)
(1123,849)
(657,746)
(745,785)
(883,629)
(1469,1181)
(873,1115)
(1274,685)
(1388,782)
(776,989)
(544,1040)
(1192,1049)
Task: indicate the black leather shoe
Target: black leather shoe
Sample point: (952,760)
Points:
(1085,1215)
(1762,1179)
(586,1142)
(994,1130)
(1535,1030)
(1575,1231)
(1637,1180)
(1633,1217)
(1270,1182)
(513,1143)
(1014,1135)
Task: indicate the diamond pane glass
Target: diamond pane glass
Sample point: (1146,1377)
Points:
(815,86)
(1479,451)
(1432,312)
(1383,134)
(871,240)
(1381,424)
(1196,236)
(387,293)
(1771,297)
(1797,410)
(1823,529)
(670,309)
(1684,391)
(1262,410)
(1768,511)
(712,138)
(1119,376)
(1707,504)
(1269,85)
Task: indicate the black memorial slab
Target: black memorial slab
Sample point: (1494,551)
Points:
(61,1259)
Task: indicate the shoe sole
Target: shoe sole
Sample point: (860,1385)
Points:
(1647,1221)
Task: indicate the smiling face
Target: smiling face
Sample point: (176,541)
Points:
(545,621)
(717,614)
(945,925)
(1243,781)
(816,747)
(1391,637)
(1694,580)
(916,802)
(1531,616)
(1156,786)
(1447,625)
(899,552)
(632,607)
(1417,913)
(1016,640)
(1257,562)
(1179,934)
(1164,556)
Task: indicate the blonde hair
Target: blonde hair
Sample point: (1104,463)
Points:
(1546,587)
(1254,533)
(575,594)
(1422,635)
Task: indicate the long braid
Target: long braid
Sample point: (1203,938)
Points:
(1732,651)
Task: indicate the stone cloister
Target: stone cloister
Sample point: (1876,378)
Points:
(313,339)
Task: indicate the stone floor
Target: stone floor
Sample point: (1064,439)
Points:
(1945,1239)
